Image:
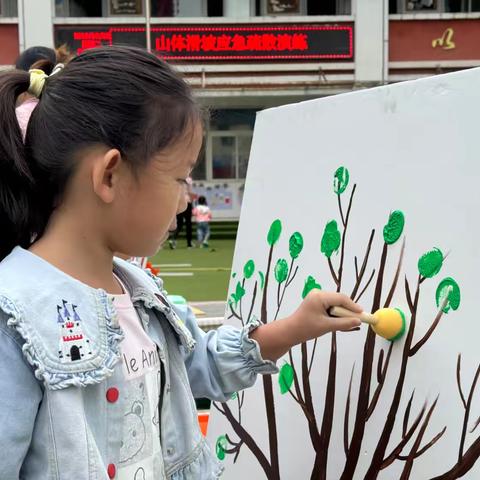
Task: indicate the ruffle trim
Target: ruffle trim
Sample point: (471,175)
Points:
(60,380)
(251,350)
(175,321)
(204,466)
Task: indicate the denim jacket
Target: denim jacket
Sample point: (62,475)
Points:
(58,417)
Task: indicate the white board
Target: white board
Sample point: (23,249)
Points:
(410,147)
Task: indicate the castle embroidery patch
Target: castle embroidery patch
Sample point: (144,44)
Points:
(74,344)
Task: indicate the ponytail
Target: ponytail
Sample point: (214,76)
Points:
(16,181)
(121,97)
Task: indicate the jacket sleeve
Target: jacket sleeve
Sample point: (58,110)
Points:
(223,361)
(20,397)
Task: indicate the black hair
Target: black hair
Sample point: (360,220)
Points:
(119,97)
(202,200)
(32,55)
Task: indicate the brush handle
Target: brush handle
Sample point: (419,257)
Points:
(343,312)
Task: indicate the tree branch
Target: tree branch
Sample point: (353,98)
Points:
(248,440)
(341,209)
(405,439)
(459,382)
(408,295)
(359,275)
(313,355)
(406,416)
(378,389)
(430,444)
(467,414)
(293,277)
(332,271)
(411,457)
(380,365)
(296,383)
(234,313)
(395,278)
(427,335)
(347,414)
(253,301)
(366,286)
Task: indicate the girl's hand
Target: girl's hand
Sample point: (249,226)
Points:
(311,319)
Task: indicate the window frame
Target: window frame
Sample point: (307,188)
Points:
(209,152)
(3,9)
(441,8)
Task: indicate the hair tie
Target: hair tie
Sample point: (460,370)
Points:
(38,77)
(57,68)
(37,81)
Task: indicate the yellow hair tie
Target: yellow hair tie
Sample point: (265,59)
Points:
(37,81)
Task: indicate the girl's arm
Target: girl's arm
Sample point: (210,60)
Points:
(20,397)
(224,360)
(310,320)
(229,359)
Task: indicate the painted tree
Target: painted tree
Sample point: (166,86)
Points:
(294,380)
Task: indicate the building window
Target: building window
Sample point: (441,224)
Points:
(436,6)
(224,155)
(8,8)
(80,8)
(227,143)
(416,5)
(230,152)
(303,7)
(126,8)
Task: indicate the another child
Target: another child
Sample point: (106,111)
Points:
(99,371)
(203,215)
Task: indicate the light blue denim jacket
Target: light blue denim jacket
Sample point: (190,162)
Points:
(55,420)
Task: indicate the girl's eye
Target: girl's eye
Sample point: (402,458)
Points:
(183,181)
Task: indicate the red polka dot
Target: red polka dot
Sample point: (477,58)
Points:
(112,394)
(111,470)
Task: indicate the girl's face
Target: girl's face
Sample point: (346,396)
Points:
(146,208)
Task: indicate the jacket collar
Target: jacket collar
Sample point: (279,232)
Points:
(22,271)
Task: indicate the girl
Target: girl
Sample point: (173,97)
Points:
(203,215)
(98,370)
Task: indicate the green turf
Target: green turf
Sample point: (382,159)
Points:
(210,284)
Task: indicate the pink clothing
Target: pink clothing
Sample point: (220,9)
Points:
(202,213)
(23,112)
(140,450)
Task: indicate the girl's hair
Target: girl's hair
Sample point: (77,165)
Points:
(118,97)
(202,200)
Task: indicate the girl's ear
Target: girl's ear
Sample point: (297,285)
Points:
(105,174)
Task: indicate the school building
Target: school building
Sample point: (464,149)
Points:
(242,56)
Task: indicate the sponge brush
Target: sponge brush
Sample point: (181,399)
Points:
(389,323)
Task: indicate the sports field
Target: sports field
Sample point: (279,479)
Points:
(198,274)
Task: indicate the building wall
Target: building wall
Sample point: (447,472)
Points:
(9,48)
(383,49)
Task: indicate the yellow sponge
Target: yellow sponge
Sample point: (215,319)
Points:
(390,323)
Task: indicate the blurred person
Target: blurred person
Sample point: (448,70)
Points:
(203,216)
(184,218)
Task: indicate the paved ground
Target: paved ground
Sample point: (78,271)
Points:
(213,313)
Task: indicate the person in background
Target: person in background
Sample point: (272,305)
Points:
(42,58)
(203,215)
(184,217)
